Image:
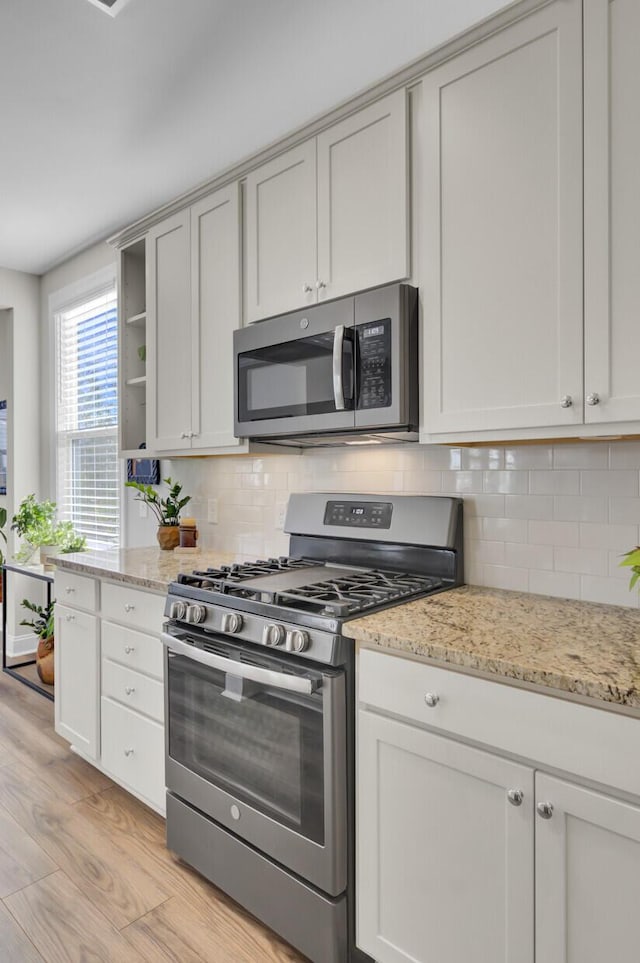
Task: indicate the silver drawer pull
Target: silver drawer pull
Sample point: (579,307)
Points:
(545,810)
(129,689)
(515,797)
(129,607)
(129,649)
(431,699)
(128,752)
(69,589)
(70,618)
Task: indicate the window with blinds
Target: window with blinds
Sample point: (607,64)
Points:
(88,474)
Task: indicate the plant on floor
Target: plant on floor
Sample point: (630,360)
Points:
(632,560)
(42,625)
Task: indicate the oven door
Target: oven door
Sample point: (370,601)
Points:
(258,743)
(295,374)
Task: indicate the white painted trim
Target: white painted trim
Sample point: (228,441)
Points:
(112,11)
(19,646)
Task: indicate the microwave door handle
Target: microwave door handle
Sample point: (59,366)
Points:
(338,385)
(242,670)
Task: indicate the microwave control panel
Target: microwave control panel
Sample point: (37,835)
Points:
(359,514)
(374,364)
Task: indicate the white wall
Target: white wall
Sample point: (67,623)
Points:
(5,387)
(552,520)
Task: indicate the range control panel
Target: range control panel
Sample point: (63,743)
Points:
(359,514)
(374,364)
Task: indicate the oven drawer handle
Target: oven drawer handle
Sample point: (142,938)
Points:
(243,670)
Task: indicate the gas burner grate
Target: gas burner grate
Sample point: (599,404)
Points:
(227,578)
(356,593)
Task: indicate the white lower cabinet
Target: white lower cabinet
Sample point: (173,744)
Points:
(109,670)
(450,837)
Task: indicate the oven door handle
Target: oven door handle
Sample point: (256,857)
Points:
(338,385)
(242,670)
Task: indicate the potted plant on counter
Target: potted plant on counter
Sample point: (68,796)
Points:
(42,625)
(632,560)
(35,523)
(167,510)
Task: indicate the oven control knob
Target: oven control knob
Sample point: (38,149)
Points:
(231,622)
(178,610)
(196,613)
(297,641)
(273,634)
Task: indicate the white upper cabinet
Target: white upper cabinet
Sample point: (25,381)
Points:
(612,210)
(281,233)
(500,229)
(193,308)
(362,199)
(331,216)
(169,335)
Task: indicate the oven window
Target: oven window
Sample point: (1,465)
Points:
(292,379)
(262,745)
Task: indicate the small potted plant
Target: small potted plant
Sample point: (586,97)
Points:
(167,510)
(632,560)
(34,524)
(42,625)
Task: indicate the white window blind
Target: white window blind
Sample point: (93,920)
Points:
(88,475)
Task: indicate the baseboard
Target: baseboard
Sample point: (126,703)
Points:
(19,647)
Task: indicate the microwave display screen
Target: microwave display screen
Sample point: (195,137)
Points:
(374,364)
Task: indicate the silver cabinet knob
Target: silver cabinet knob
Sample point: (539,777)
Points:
(128,752)
(129,689)
(129,607)
(69,589)
(545,810)
(566,401)
(70,618)
(431,699)
(231,622)
(129,649)
(320,285)
(593,398)
(515,797)
(306,289)
(183,434)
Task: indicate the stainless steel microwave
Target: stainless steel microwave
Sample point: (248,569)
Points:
(339,372)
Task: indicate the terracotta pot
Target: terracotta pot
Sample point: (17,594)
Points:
(168,537)
(44,660)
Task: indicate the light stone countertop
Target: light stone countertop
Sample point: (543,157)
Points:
(150,568)
(583,648)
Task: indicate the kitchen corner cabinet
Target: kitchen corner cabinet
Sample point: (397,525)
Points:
(450,837)
(193,299)
(612,210)
(109,668)
(330,216)
(500,228)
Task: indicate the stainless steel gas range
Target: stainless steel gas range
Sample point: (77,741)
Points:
(260,704)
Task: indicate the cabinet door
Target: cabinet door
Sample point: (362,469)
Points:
(169,334)
(77,677)
(500,229)
(444,860)
(280,253)
(215,279)
(363,222)
(612,209)
(587,872)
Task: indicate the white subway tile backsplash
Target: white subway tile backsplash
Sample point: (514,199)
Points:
(554,482)
(611,482)
(539,518)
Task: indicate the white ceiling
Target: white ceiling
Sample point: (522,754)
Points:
(104,119)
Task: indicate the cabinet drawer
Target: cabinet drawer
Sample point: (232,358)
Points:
(133,689)
(133,751)
(76,590)
(143,653)
(592,743)
(140,610)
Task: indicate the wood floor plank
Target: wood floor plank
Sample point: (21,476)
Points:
(65,926)
(15,945)
(24,699)
(22,861)
(99,863)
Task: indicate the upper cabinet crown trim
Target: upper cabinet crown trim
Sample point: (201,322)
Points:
(395,81)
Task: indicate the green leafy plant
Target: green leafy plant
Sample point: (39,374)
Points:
(632,560)
(42,623)
(3,522)
(35,523)
(167,510)
(67,539)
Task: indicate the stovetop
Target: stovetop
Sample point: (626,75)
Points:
(303,585)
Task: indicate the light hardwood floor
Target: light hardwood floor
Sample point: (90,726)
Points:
(84,872)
